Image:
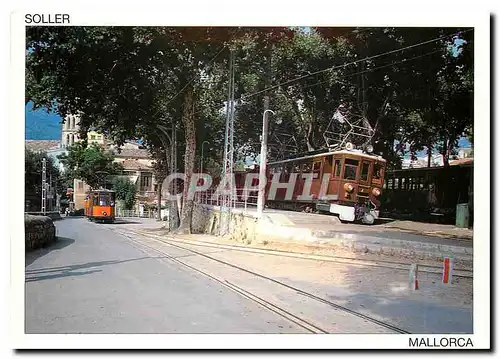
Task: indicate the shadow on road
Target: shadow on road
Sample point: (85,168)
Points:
(61,243)
(124,221)
(33,275)
(59,275)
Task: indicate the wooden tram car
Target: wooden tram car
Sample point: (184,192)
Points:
(429,193)
(100,205)
(352,191)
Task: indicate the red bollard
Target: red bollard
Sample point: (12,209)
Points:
(447,270)
(413,277)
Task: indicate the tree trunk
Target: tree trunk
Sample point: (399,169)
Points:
(189,161)
(158,198)
(310,147)
(445,153)
(429,155)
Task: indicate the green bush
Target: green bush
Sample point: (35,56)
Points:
(125,191)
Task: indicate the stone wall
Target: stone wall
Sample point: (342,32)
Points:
(39,231)
(244,228)
(52,215)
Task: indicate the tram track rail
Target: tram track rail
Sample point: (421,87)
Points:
(379,263)
(302,322)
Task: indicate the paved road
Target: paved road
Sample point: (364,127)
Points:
(94,281)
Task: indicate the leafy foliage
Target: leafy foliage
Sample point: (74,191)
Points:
(125,191)
(414,86)
(91,164)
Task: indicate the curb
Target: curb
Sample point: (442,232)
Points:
(393,246)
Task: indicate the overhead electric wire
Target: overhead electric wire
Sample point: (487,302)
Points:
(360,72)
(354,62)
(372,69)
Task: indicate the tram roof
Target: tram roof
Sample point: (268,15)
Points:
(323,154)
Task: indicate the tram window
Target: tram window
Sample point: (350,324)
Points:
(306,168)
(351,167)
(296,168)
(396,183)
(330,160)
(389,183)
(364,171)
(378,173)
(104,199)
(316,170)
(338,168)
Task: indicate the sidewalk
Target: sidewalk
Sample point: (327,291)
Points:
(431,229)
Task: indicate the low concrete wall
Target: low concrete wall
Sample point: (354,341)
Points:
(39,231)
(52,215)
(246,228)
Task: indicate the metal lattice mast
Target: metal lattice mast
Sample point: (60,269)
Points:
(227,174)
(44,184)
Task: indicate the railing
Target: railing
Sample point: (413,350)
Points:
(135,214)
(244,198)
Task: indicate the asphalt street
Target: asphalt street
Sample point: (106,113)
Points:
(94,281)
(103,278)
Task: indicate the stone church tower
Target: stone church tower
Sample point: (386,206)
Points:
(70,130)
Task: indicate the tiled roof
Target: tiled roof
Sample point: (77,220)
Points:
(132,153)
(134,165)
(41,145)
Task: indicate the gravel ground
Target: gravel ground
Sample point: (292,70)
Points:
(379,292)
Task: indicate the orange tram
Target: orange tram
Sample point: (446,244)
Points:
(100,205)
(353,187)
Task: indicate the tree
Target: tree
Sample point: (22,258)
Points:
(160,170)
(125,191)
(92,164)
(33,176)
(132,79)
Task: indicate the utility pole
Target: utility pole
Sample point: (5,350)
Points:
(227,200)
(51,195)
(265,127)
(263,164)
(173,213)
(44,185)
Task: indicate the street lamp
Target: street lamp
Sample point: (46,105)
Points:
(263,162)
(201,169)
